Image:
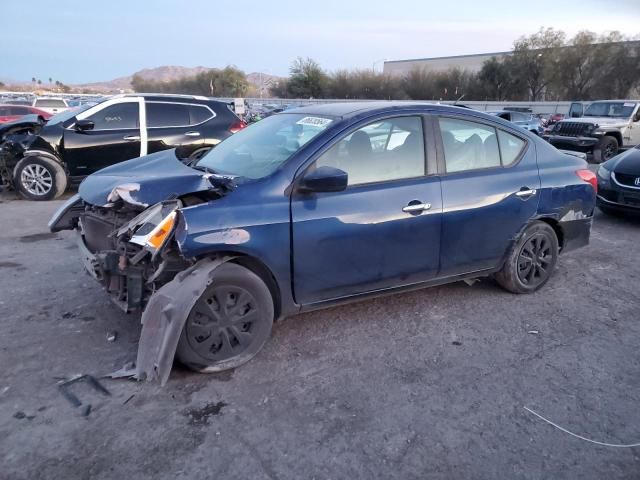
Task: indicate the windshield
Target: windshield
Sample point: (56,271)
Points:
(67,115)
(610,109)
(260,149)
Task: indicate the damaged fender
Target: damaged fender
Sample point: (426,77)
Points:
(165,317)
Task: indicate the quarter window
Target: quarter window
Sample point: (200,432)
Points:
(199,114)
(118,116)
(510,147)
(386,150)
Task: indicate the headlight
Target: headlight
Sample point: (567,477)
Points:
(603,173)
(159,235)
(153,227)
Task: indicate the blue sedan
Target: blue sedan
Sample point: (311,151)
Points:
(317,206)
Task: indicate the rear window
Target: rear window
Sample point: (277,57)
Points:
(50,102)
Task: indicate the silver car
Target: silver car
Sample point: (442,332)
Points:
(525,120)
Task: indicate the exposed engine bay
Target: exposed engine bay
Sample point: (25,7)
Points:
(131,255)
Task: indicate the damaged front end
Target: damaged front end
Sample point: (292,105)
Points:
(15,139)
(132,251)
(131,255)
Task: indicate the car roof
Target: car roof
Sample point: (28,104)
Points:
(350,109)
(614,100)
(172,97)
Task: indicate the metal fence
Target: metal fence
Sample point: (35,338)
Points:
(546,108)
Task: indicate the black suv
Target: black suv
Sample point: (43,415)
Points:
(40,160)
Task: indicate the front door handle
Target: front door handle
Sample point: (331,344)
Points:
(416,207)
(192,134)
(525,193)
(131,138)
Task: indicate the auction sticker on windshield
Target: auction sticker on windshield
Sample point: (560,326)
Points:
(314,121)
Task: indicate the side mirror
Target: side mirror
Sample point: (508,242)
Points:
(636,117)
(84,125)
(575,114)
(324,179)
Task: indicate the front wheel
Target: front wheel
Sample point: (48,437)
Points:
(606,149)
(39,178)
(229,323)
(531,260)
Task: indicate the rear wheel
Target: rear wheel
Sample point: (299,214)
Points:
(230,322)
(531,260)
(40,178)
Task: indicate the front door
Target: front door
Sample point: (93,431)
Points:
(383,230)
(115,137)
(490,191)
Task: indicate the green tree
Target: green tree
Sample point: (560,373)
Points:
(534,59)
(307,79)
(495,80)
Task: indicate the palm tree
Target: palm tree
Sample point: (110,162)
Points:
(39,82)
(33,79)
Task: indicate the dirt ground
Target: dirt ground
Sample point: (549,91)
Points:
(429,384)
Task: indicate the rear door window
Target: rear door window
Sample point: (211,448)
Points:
(468,145)
(168,114)
(118,116)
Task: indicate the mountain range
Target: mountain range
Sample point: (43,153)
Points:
(167,73)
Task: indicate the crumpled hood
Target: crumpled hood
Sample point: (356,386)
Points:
(627,163)
(23,123)
(602,121)
(144,181)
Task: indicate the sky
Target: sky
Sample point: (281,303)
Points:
(97,40)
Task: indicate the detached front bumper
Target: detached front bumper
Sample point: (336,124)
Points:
(571,143)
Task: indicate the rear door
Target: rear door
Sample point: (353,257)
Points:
(490,191)
(172,124)
(115,137)
(384,229)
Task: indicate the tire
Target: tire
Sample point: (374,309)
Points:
(607,148)
(519,275)
(39,178)
(237,307)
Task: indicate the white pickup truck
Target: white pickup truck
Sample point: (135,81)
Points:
(51,105)
(605,127)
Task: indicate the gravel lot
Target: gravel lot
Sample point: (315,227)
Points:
(429,384)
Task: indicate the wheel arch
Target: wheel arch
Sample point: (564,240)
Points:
(615,134)
(257,266)
(557,228)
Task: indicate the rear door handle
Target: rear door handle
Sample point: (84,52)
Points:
(131,138)
(192,134)
(416,207)
(525,193)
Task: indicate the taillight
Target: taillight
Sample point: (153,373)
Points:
(237,126)
(589,177)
